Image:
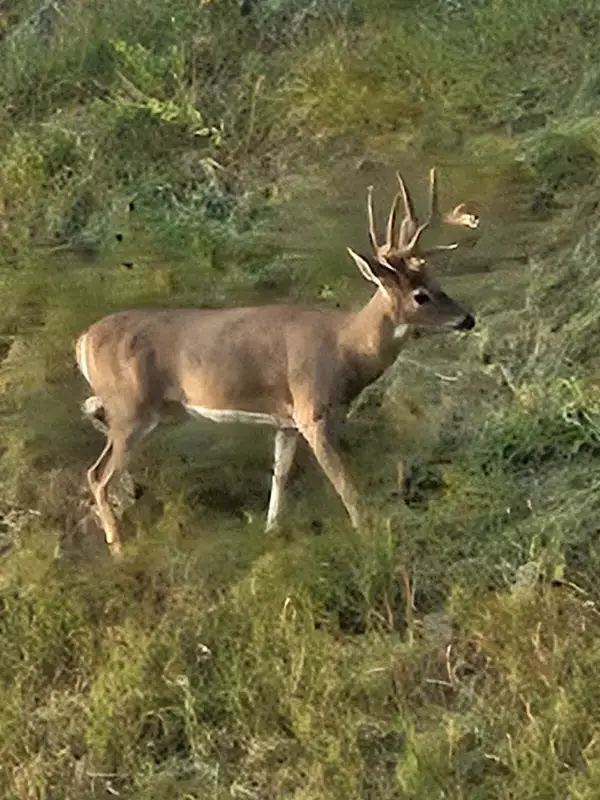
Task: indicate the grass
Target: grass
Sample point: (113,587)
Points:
(183,153)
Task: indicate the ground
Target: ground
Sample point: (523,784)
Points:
(185,153)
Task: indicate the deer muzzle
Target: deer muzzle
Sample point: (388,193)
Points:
(467,323)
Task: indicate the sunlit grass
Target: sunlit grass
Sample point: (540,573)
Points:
(180,153)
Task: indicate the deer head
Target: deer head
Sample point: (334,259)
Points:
(399,268)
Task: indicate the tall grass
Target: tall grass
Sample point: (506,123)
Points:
(218,152)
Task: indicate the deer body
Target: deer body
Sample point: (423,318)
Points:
(229,362)
(283,366)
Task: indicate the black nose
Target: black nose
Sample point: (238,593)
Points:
(466,324)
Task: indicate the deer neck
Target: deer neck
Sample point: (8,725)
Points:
(371,339)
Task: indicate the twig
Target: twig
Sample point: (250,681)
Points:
(508,380)
(440,375)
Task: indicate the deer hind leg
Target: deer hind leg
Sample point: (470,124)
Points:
(121,442)
(332,465)
(99,474)
(286,441)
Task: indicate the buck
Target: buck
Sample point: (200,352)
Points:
(284,366)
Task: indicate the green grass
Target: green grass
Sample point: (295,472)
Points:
(182,153)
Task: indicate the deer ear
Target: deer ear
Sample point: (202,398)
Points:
(364,266)
(366,269)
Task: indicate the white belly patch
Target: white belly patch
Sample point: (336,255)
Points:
(219,415)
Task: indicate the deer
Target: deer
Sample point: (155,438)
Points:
(289,367)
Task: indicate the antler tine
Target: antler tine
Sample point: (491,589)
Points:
(372,230)
(461,218)
(434,200)
(457,217)
(409,223)
(435,216)
(409,208)
(410,247)
(391,223)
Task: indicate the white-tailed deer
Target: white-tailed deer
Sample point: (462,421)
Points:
(280,365)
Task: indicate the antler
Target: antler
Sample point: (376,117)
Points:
(381,250)
(410,230)
(462,218)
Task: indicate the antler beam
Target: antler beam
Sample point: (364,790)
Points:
(409,235)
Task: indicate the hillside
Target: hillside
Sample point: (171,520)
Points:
(219,152)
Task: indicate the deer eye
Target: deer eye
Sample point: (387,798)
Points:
(421,297)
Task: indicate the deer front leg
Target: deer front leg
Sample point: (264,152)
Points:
(286,440)
(316,435)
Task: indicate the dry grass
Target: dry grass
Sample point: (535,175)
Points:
(449,649)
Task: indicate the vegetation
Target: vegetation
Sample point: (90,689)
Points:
(216,152)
